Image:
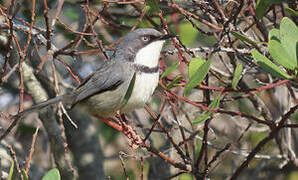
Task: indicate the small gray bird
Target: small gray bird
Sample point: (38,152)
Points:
(125,82)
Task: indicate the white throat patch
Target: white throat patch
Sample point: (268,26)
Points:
(149,55)
(145,83)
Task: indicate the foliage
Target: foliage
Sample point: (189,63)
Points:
(52,174)
(226,105)
(197,73)
(283,48)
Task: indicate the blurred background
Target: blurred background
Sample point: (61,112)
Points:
(219,112)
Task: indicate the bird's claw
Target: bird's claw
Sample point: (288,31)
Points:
(134,138)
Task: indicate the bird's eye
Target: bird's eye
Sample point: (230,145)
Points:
(145,38)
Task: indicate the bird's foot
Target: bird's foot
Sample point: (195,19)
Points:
(127,130)
(135,139)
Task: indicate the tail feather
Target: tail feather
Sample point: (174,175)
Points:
(41,105)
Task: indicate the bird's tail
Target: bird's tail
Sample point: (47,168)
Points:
(41,105)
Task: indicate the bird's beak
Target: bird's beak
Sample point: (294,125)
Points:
(167,36)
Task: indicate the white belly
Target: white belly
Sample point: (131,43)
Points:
(144,87)
(145,83)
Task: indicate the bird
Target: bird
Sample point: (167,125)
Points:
(123,83)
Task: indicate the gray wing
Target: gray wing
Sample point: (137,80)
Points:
(106,78)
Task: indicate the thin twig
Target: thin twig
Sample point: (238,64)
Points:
(34,137)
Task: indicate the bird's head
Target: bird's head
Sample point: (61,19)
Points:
(143,40)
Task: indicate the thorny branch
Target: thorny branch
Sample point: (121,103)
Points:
(192,147)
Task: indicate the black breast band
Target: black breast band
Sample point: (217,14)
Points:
(145,69)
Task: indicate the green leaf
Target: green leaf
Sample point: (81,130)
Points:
(269,66)
(207,114)
(25,175)
(153,5)
(174,83)
(292,175)
(194,65)
(263,5)
(52,174)
(170,69)
(281,56)
(289,37)
(188,34)
(243,38)
(274,35)
(199,146)
(147,8)
(10,174)
(129,91)
(237,75)
(198,77)
(185,176)
(292,12)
